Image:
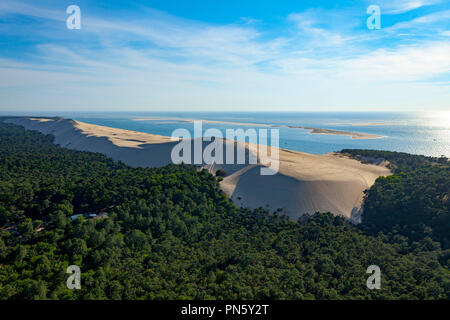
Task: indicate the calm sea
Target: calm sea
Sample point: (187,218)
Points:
(416,133)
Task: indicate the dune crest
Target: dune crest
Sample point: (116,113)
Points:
(305,183)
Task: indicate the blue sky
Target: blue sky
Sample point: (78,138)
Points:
(205,55)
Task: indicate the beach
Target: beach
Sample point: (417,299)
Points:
(305,183)
(353,135)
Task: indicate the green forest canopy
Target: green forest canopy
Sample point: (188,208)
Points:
(171,233)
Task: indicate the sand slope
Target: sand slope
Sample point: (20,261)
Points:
(305,183)
(131,147)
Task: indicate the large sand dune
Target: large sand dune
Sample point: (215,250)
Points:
(305,183)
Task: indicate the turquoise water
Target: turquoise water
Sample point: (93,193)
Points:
(416,133)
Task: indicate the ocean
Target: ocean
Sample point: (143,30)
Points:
(416,133)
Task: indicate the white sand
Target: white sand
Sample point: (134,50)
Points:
(353,135)
(305,183)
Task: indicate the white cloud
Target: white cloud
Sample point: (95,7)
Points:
(311,28)
(423,21)
(16,7)
(401,65)
(401,6)
(321,63)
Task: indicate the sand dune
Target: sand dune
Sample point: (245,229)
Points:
(131,147)
(305,183)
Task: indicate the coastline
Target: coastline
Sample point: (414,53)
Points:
(305,183)
(353,135)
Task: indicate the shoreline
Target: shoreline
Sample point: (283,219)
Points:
(312,130)
(304,183)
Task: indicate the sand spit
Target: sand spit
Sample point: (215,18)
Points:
(369,124)
(206,121)
(305,183)
(353,135)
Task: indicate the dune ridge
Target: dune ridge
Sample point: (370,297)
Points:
(305,183)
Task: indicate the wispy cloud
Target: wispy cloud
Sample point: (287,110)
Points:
(316,58)
(401,6)
(425,21)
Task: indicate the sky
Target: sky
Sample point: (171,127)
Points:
(225,55)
